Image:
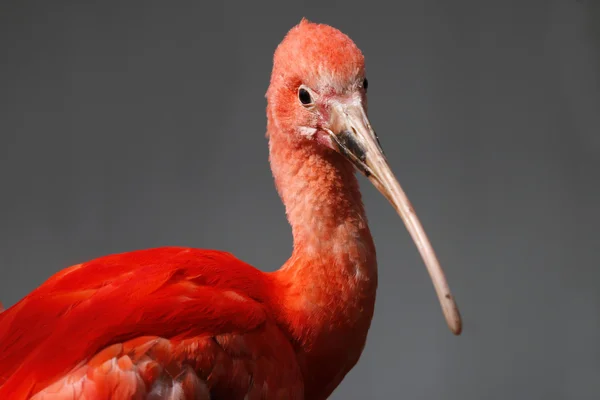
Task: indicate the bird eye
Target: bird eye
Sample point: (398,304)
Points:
(365,84)
(304,96)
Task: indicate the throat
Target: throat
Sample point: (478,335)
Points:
(323,204)
(332,273)
(330,280)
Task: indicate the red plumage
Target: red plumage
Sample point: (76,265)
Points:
(178,294)
(182,323)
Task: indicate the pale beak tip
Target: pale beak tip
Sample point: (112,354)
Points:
(452,315)
(456,328)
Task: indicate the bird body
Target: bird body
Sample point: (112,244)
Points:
(154,319)
(185,323)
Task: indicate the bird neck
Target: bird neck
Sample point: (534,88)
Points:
(323,205)
(333,254)
(329,283)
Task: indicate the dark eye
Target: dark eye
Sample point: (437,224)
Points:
(304,96)
(365,83)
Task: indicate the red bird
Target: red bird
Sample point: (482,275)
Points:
(184,323)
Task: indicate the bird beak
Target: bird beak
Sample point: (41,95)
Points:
(353,137)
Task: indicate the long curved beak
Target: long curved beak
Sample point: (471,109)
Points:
(354,138)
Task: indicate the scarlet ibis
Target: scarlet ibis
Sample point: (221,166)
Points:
(186,323)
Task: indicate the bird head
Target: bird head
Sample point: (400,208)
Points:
(318,95)
(316,69)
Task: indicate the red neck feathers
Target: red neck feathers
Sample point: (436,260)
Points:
(330,280)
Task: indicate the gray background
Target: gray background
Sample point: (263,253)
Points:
(127,126)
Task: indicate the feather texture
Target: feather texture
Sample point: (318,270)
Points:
(159,320)
(182,323)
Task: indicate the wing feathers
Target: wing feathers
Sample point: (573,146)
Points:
(232,366)
(169,293)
